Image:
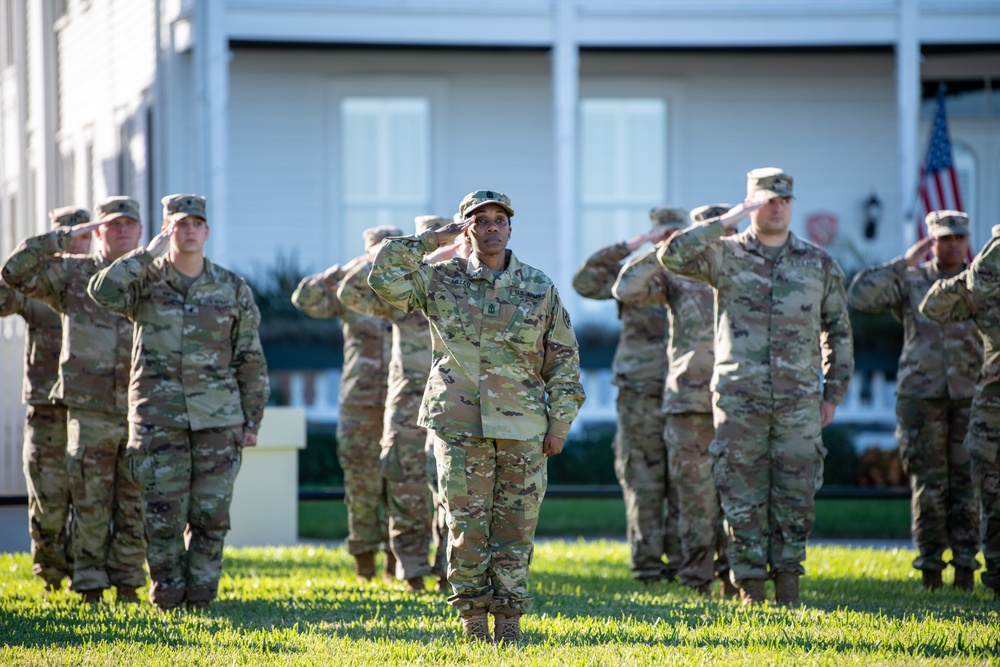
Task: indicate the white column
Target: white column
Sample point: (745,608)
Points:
(565,91)
(213,65)
(908,111)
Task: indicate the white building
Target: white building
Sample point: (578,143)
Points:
(305,121)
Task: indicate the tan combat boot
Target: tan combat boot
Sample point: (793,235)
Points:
(965,579)
(786,588)
(476,625)
(752,591)
(126,594)
(364,566)
(932,579)
(415,584)
(507,629)
(726,587)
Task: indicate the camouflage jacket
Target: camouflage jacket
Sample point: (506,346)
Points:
(781,326)
(691,312)
(197,362)
(640,361)
(410,360)
(975,294)
(367,340)
(938,360)
(41,344)
(506,363)
(94,359)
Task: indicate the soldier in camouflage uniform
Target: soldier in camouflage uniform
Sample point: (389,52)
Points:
(938,368)
(44,453)
(502,392)
(363,386)
(403,458)
(687,402)
(639,369)
(107,541)
(973,294)
(783,359)
(196,397)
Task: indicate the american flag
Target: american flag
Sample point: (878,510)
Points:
(938,179)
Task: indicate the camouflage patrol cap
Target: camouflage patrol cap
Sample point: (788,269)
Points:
(374,235)
(68,216)
(425,222)
(708,211)
(117,207)
(480,198)
(947,223)
(178,206)
(670,217)
(771,181)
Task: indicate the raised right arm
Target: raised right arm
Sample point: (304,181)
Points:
(355,293)
(35,268)
(596,277)
(316,295)
(879,288)
(399,274)
(695,252)
(642,281)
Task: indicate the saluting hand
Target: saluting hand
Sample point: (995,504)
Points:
(452,229)
(84,228)
(731,217)
(918,251)
(161,241)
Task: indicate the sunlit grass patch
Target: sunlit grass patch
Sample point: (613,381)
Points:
(302,606)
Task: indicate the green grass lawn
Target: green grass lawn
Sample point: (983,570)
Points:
(301,606)
(835,518)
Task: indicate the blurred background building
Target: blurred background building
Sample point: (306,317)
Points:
(306,121)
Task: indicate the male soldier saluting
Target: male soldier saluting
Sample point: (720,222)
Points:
(403,459)
(107,541)
(363,387)
(687,401)
(639,368)
(975,294)
(783,360)
(503,390)
(197,394)
(938,368)
(44,453)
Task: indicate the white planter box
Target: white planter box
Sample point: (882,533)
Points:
(266,497)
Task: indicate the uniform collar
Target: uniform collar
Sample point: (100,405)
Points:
(749,240)
(476,270)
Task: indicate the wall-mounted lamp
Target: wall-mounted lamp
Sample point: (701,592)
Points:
(873,214)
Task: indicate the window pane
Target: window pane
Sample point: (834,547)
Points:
(385,162)
(623,174)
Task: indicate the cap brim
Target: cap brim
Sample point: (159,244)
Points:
(760,195)
(481,204)
(947,230)
(180,215)
(111,216)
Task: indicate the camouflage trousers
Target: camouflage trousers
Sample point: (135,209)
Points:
(767,465)
(641,469)
(44,459)
(107,543)
(703,538)
(408,502)
(359,428)
(944,503)
(439,523)
(187,482)
(492,490)
(982,441)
